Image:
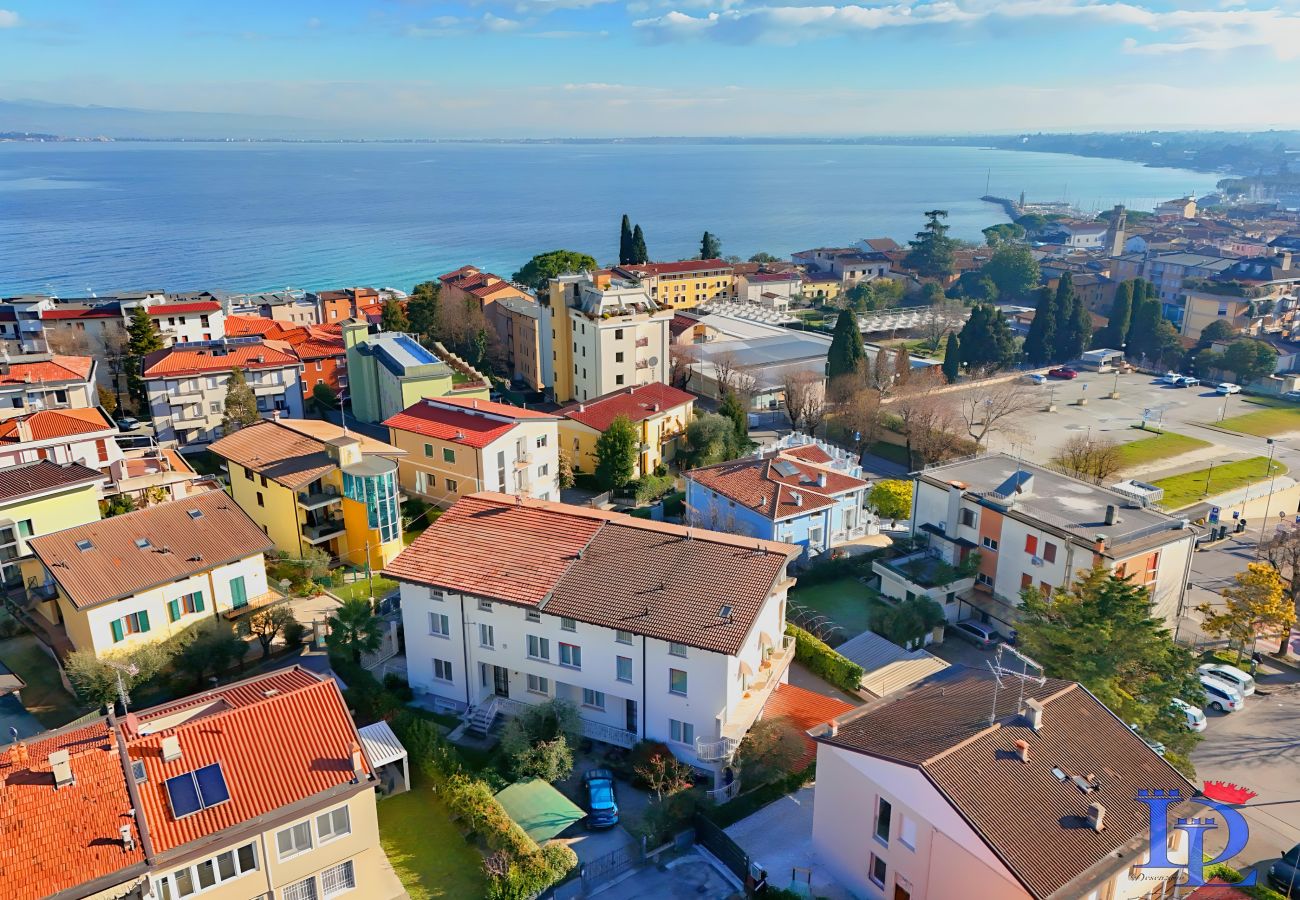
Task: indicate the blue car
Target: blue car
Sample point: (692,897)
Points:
(600,799)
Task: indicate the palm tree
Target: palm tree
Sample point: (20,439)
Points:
(354,629)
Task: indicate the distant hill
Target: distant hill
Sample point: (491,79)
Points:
(66,121)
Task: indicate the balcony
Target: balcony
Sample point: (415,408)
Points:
(523,460)
(318,499)
(643,363)
(180,398)
(743,715)
(597,731)
(924,573)
(319,534)
(189,420)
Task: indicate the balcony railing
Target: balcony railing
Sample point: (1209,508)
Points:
(715,751)
(643,342)
(725,793)
(317,499)
(523,460)
(643,363)
(597,731)
(318,534)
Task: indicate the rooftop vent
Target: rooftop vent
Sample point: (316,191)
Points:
(1112,514)
(1096,817)
(1034,713)
(1022,750)
(171,748)
(128,840)
(61,767)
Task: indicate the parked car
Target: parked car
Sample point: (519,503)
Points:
(601,803)
(1242,681)
(1186,381)
(1036,378)
(1220,695)
(1195,718)
(1156,747)
(1285,873)
(1062,372)
(128,423)
(1228,388)
(1292,395)
(1168,378)
(983,636)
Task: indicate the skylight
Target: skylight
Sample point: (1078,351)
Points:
(143,543)
(194,513)
(198,790)
(84,545)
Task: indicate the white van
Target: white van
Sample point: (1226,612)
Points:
(1195,718)
(1220,695)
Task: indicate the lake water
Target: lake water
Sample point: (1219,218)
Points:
(106,217)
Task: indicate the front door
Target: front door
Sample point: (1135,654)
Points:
(631,716)
(501,681)
(238,593)
(901,893)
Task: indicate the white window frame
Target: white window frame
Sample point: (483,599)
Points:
(486,636)
(445,665)
(300,890)
(538,648)
(989,543)
(435,619)
(170,890)
(619,637)
(574,653)
(538,684)
(297,849)
(330,815)
(618,663)
(686,676)
(907,832)
(593,699)
(567,624)
(679,732)
(678,650)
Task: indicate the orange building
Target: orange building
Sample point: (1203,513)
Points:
(319,349)
(347,303)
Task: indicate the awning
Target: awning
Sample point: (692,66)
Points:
(745,668)
(381,745)
(539,809)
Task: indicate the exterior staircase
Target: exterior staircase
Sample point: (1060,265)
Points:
(481,718)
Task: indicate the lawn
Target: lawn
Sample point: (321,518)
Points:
(44,695)
(427,851)
(361,588)
(1147,450)
(1276,417)
(846,602)
(895,453)
(1183,490)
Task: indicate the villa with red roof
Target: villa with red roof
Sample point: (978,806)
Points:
(85,436)
(205,794)
(47,382)
(458,446)
(324,359)
(659,413)
(472,283)
(808,494)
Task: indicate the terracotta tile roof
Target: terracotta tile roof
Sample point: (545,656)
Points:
(50,424)
(808,453)
(1218,889)
(637,403)
(803,710)
(491,406)
(664,581)
(180,546)
(465,421)
(110,311)
(55,369)
(17,482)
(677,268)
(1033,821)
(194,306)
(182,360)
(758,484)
(242,326)
(290,451)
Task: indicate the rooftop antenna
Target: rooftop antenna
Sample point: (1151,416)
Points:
(1001,670)
(130,669)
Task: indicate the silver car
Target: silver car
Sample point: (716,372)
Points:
(1242,681)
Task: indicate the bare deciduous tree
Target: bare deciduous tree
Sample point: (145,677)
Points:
(1094,459)
(880,377)
(1282,550)
(805,401)
(724,371)
(857,415)
(928,417)
(681,366)
(67,342)
(994,409)
(943,319)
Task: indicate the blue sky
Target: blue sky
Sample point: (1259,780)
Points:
(500,68)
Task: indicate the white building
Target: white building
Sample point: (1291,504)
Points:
(85,436)
(47,381)
(652,630)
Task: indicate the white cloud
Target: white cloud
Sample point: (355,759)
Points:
(9,19)
(546,6)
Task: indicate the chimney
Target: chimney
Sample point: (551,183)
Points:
(1096,817)
(128,840)
(798,500)
(474,403)
(1099,544)
(1284,260)
(1112,515)
(358,762)
(582,407)
(1034,713)
(61,768)
(821,479)
(275,415)
(171,748)
(1022,750)
(834,727)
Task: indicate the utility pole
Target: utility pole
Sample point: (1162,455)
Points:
(1268,501)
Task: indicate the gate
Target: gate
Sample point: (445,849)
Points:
(717,842)
(604,868)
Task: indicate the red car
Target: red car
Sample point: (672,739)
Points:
(1062,372)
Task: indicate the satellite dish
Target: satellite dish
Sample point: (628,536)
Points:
(654,360)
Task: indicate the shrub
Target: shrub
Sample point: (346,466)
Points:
(548,760)
(824,662)
(642,753)
(675,503)
(652,487)
(770,750)
(397,686)
(293,633)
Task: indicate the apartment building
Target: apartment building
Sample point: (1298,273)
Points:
(47,381)
(260,788)
(607,333)
(1037,528)
(525,332)
(338,306)
(807,494)
(180,319)
(1167,272)
(658,412)
(389,371)
(921,797)
(186,385)
(652,630)
(774,290)
(848,264)
(85,436)
(473,285)
(310,484)
(453,447)
(319,348)
(682,285)
(39,498)
(144,576)
(21,331)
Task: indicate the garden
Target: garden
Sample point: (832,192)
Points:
(1273,418)
(1189,487)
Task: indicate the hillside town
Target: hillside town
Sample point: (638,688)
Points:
(906,568)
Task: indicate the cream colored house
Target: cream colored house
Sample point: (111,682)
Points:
(659,413)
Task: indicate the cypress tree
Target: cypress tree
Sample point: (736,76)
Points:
(734,409)
(710,246)
(625,242)
(144,339)
(902,366)
(1146,323)
(638,254)
(1074,329)
(1040,343)
(975,337)
(952,358)
(1121,311)
(1003,340)
(846,354)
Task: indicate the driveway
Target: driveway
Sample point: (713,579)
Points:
(688,877)
(779,839)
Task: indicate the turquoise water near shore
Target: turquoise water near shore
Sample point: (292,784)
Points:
(103,217)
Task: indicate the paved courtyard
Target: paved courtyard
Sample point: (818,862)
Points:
(778,838)
(689,877)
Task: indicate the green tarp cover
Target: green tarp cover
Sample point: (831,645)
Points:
(541,810)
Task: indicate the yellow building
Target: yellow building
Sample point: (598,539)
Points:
(310,484)
(145,576)
(682,285)
(454,447)
(40,498)
(821,286)
(659,413)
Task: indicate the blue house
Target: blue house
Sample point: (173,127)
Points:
(809,494)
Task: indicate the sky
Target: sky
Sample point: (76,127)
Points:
(609,68)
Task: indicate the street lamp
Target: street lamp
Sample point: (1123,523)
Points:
(1263,523)
(1208,473)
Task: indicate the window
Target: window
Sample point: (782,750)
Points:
(618,379)
(1031,545)
(907,833)
(486,637)
(1049,552)
(333,824)
(442,670)
(623,637)
(618,334)
(539,647)
(541,442)
(543,470)
(451,485)
(428,450)
(533,616)
(539,685)
(877,871)
(302,890)
(135,623)
(337,879)
(884,813)
(618,357)
(989,543)
(677,682)
(681,732)
(485,606)
(968,517)
(439,625)
(261,501)
(571,656)
(184,606)
(677,650)
(294,840)
(248,473)
(568,624)
(220,868)
(983,579)
(594,699)
(1026,580)
(815,536)
(448,455)
(623,668)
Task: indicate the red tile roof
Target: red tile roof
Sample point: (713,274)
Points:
(808,453)
(242,326)
(193,306)
(467,424)
(182,360)
(637,403)
(1218,889)
(55,369)
(54,423)
(94,312)
(760,486)
(495,408)
(477,282)
(802,710)
(677,268)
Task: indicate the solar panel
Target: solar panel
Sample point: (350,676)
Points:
(183,794)
(787,469)
(137,771)
(212,785)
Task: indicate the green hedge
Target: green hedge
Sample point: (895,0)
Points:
(824,662)
(1232,876)
(747,803)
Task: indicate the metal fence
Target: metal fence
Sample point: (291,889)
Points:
(717,842)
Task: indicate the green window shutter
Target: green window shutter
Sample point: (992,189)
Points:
(198,601)
(174,609)
(144,620)
(116,625)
